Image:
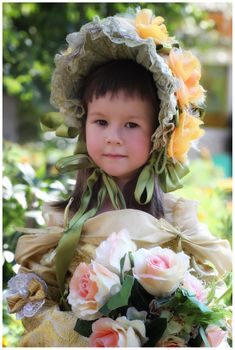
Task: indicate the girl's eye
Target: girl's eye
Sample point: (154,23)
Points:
(101,122)
(131,125)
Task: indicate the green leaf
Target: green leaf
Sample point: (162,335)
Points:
(104,310)
(41,171)
(226,295)
(140,297)
(154,331)
(122,262)
(131,258)
(193,311)
(83,327)
(13,86)
(121,298)
(211,293)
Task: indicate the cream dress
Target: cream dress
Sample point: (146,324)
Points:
(35,252)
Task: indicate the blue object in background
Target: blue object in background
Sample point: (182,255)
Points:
(223,160)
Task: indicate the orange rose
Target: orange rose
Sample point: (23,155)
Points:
(187,131)
(186,67)
(148,26)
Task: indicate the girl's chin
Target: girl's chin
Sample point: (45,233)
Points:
(119,176)
(122,179)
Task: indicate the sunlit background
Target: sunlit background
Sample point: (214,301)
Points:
(32,34)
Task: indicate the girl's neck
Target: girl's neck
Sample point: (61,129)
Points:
(107,206)
(121,183)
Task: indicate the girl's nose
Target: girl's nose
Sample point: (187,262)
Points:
(113,137)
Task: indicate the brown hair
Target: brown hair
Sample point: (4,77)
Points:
(134,80)
(126,75)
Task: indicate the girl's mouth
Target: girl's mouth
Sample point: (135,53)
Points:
(114,156)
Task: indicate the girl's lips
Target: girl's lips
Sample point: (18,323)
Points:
(114,156)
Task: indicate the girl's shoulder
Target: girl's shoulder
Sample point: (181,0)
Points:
(52,215)
(178,208)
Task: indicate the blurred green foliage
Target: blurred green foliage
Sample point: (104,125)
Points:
(206,184)
(34,32)
(12,329)
(29,180)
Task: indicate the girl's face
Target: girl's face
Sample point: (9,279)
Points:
(118,134)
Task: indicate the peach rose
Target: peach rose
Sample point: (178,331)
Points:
(148,26)
(159,270)
(171,342)
(110,252)
(216,337)
(90,287)
(187,68)
(191,283)
(119,333)
(182,136)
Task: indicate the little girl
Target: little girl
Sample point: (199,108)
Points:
(133,98)
(121,106)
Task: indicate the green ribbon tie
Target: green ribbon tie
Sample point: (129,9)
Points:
(68,243)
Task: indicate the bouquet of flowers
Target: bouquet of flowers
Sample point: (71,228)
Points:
(129,297)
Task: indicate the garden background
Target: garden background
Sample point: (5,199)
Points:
(32,34)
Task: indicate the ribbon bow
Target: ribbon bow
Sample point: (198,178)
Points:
(167,172)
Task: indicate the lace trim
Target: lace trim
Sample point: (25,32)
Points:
(18,286)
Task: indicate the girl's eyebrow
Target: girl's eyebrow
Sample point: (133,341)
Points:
(99,114)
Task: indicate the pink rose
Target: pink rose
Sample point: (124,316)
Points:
(193,284)
(110,251)
(159,270)
(90,287)
(216,337)
(119,333)
(171,342)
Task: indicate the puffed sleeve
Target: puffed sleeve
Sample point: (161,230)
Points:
(52,216)
(35,252)
(196,237)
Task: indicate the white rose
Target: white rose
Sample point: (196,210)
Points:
(159,270)
(90,288)
(110,251)
(119,333)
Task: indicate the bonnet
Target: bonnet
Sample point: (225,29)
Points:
(142,37)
